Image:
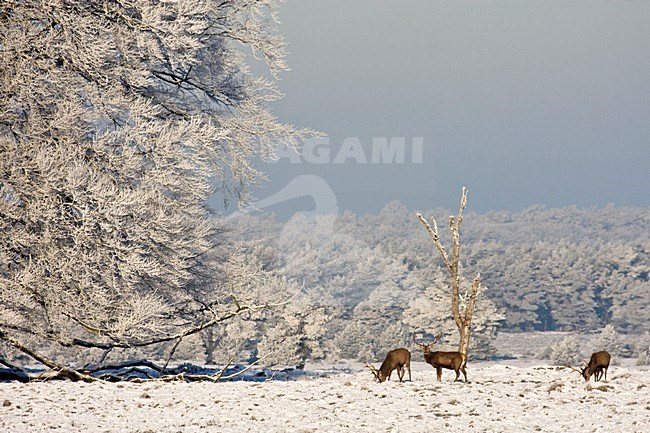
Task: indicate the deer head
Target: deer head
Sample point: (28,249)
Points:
(426,348)
(376,373)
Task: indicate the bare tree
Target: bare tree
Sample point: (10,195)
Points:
(118,120)
(462,307)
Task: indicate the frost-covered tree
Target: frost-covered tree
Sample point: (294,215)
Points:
(340,271)
(250,286)
(117,121)
(462,307)
(643,350)
(610,340)
(428,313)
(379,316)
(351,342)
(293,334)
(565,352)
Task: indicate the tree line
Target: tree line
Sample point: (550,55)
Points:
(377,277)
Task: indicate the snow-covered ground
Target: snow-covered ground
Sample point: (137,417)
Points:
(501,397)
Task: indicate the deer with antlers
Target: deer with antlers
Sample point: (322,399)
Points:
(597,365)
(450,360)
(396,359)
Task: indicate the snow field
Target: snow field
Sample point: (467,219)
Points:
(498,398)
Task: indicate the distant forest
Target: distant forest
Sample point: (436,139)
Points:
(566,269)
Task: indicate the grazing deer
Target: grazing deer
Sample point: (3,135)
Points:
(450,360)
(598,363)
(396,359)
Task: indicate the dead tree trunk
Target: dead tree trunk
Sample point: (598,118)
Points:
(462,308)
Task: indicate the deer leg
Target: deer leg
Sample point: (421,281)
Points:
(462,368)
(400,373)
(603,371)
(457,370)
(439,373)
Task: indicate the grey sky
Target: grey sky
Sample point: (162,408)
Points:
(524,102)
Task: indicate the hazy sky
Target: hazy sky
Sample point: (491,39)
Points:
(524,102)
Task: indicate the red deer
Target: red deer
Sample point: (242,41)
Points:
(396,359)
(598,363)
(450,360)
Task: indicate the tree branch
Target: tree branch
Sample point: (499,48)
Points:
(433,232)
(171,353)
(63,370)
(94,368)
(139,343)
